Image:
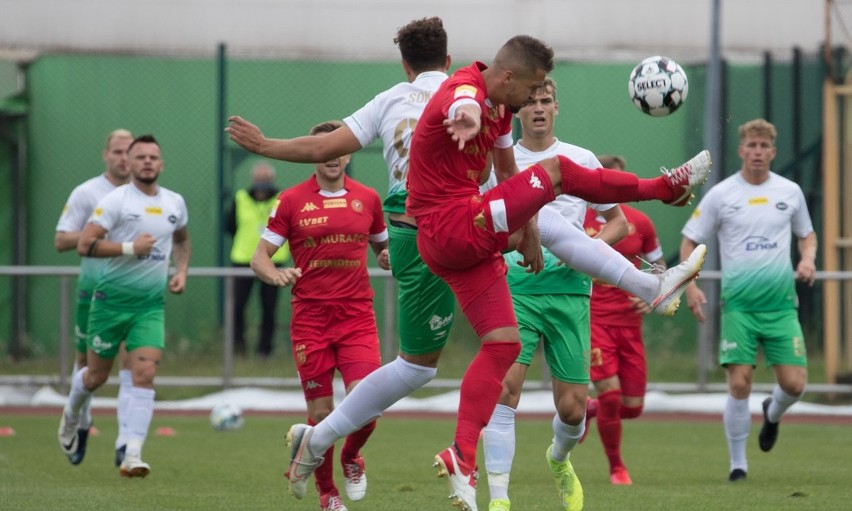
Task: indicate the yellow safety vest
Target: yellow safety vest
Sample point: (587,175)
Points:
(252,216)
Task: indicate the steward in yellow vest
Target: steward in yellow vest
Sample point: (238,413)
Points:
(246,222)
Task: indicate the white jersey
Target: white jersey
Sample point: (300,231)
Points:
(570,207)
(75,215)
(393,115)
(754,225)
(131,282)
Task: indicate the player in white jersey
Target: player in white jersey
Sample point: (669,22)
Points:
(754,214)
(425,304)
(75,214)
(138,227)
(552,308)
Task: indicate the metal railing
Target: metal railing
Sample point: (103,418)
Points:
(388,338)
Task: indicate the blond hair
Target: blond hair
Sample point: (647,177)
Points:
(758,128)
(119,133)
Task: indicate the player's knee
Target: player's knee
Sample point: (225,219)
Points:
(95,378)
(319,414)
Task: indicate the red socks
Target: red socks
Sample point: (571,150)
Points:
(356,440)
(609,425)
(605,186)
(480,390)
(325,472)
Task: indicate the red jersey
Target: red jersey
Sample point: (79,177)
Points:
(437,170)
(610,303)
(328,238)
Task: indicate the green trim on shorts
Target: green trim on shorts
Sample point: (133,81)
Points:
(425,304)
(144,327)
(778,332)
(563,323)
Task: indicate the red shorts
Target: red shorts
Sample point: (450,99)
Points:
(462,244)
(331,335)
(618,351)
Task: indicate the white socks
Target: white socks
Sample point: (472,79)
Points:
(737,421)
(125,377)
(499,445)
(140,410)
(781,401)
(593,256)
(372,396)
(565,437)
(79,399)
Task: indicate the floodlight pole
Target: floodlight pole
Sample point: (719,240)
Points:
(708,332)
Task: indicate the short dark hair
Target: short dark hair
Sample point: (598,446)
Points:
(144,139)
(526,54)
(326,127)
(423,44)
(612,161)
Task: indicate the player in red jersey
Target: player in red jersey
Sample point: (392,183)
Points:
(468,118)
(462,232)
(329,220)
(618,366)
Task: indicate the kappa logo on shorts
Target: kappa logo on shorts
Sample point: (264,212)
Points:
(535,182)
(311,385)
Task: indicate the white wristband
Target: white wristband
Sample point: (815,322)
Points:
(127,248)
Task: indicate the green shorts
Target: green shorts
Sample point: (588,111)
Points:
(139,328)
(562,322)
(84,303)
(779,332)
(425,304)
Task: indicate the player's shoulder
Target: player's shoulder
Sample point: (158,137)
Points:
(578,154)
(360,188)
(632,214)
(92,186)
(171,195)
(778,181)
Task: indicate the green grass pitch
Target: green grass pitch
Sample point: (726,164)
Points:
(675,465)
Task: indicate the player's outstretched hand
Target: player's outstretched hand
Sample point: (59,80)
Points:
(462,127)
(286,277)
(244,133)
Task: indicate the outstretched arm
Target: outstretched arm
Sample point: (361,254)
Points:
(308,149)
(464,124)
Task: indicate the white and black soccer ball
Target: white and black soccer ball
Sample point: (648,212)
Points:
(226,417)
(658,86)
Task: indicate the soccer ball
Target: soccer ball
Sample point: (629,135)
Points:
(226,417)
(658,86)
